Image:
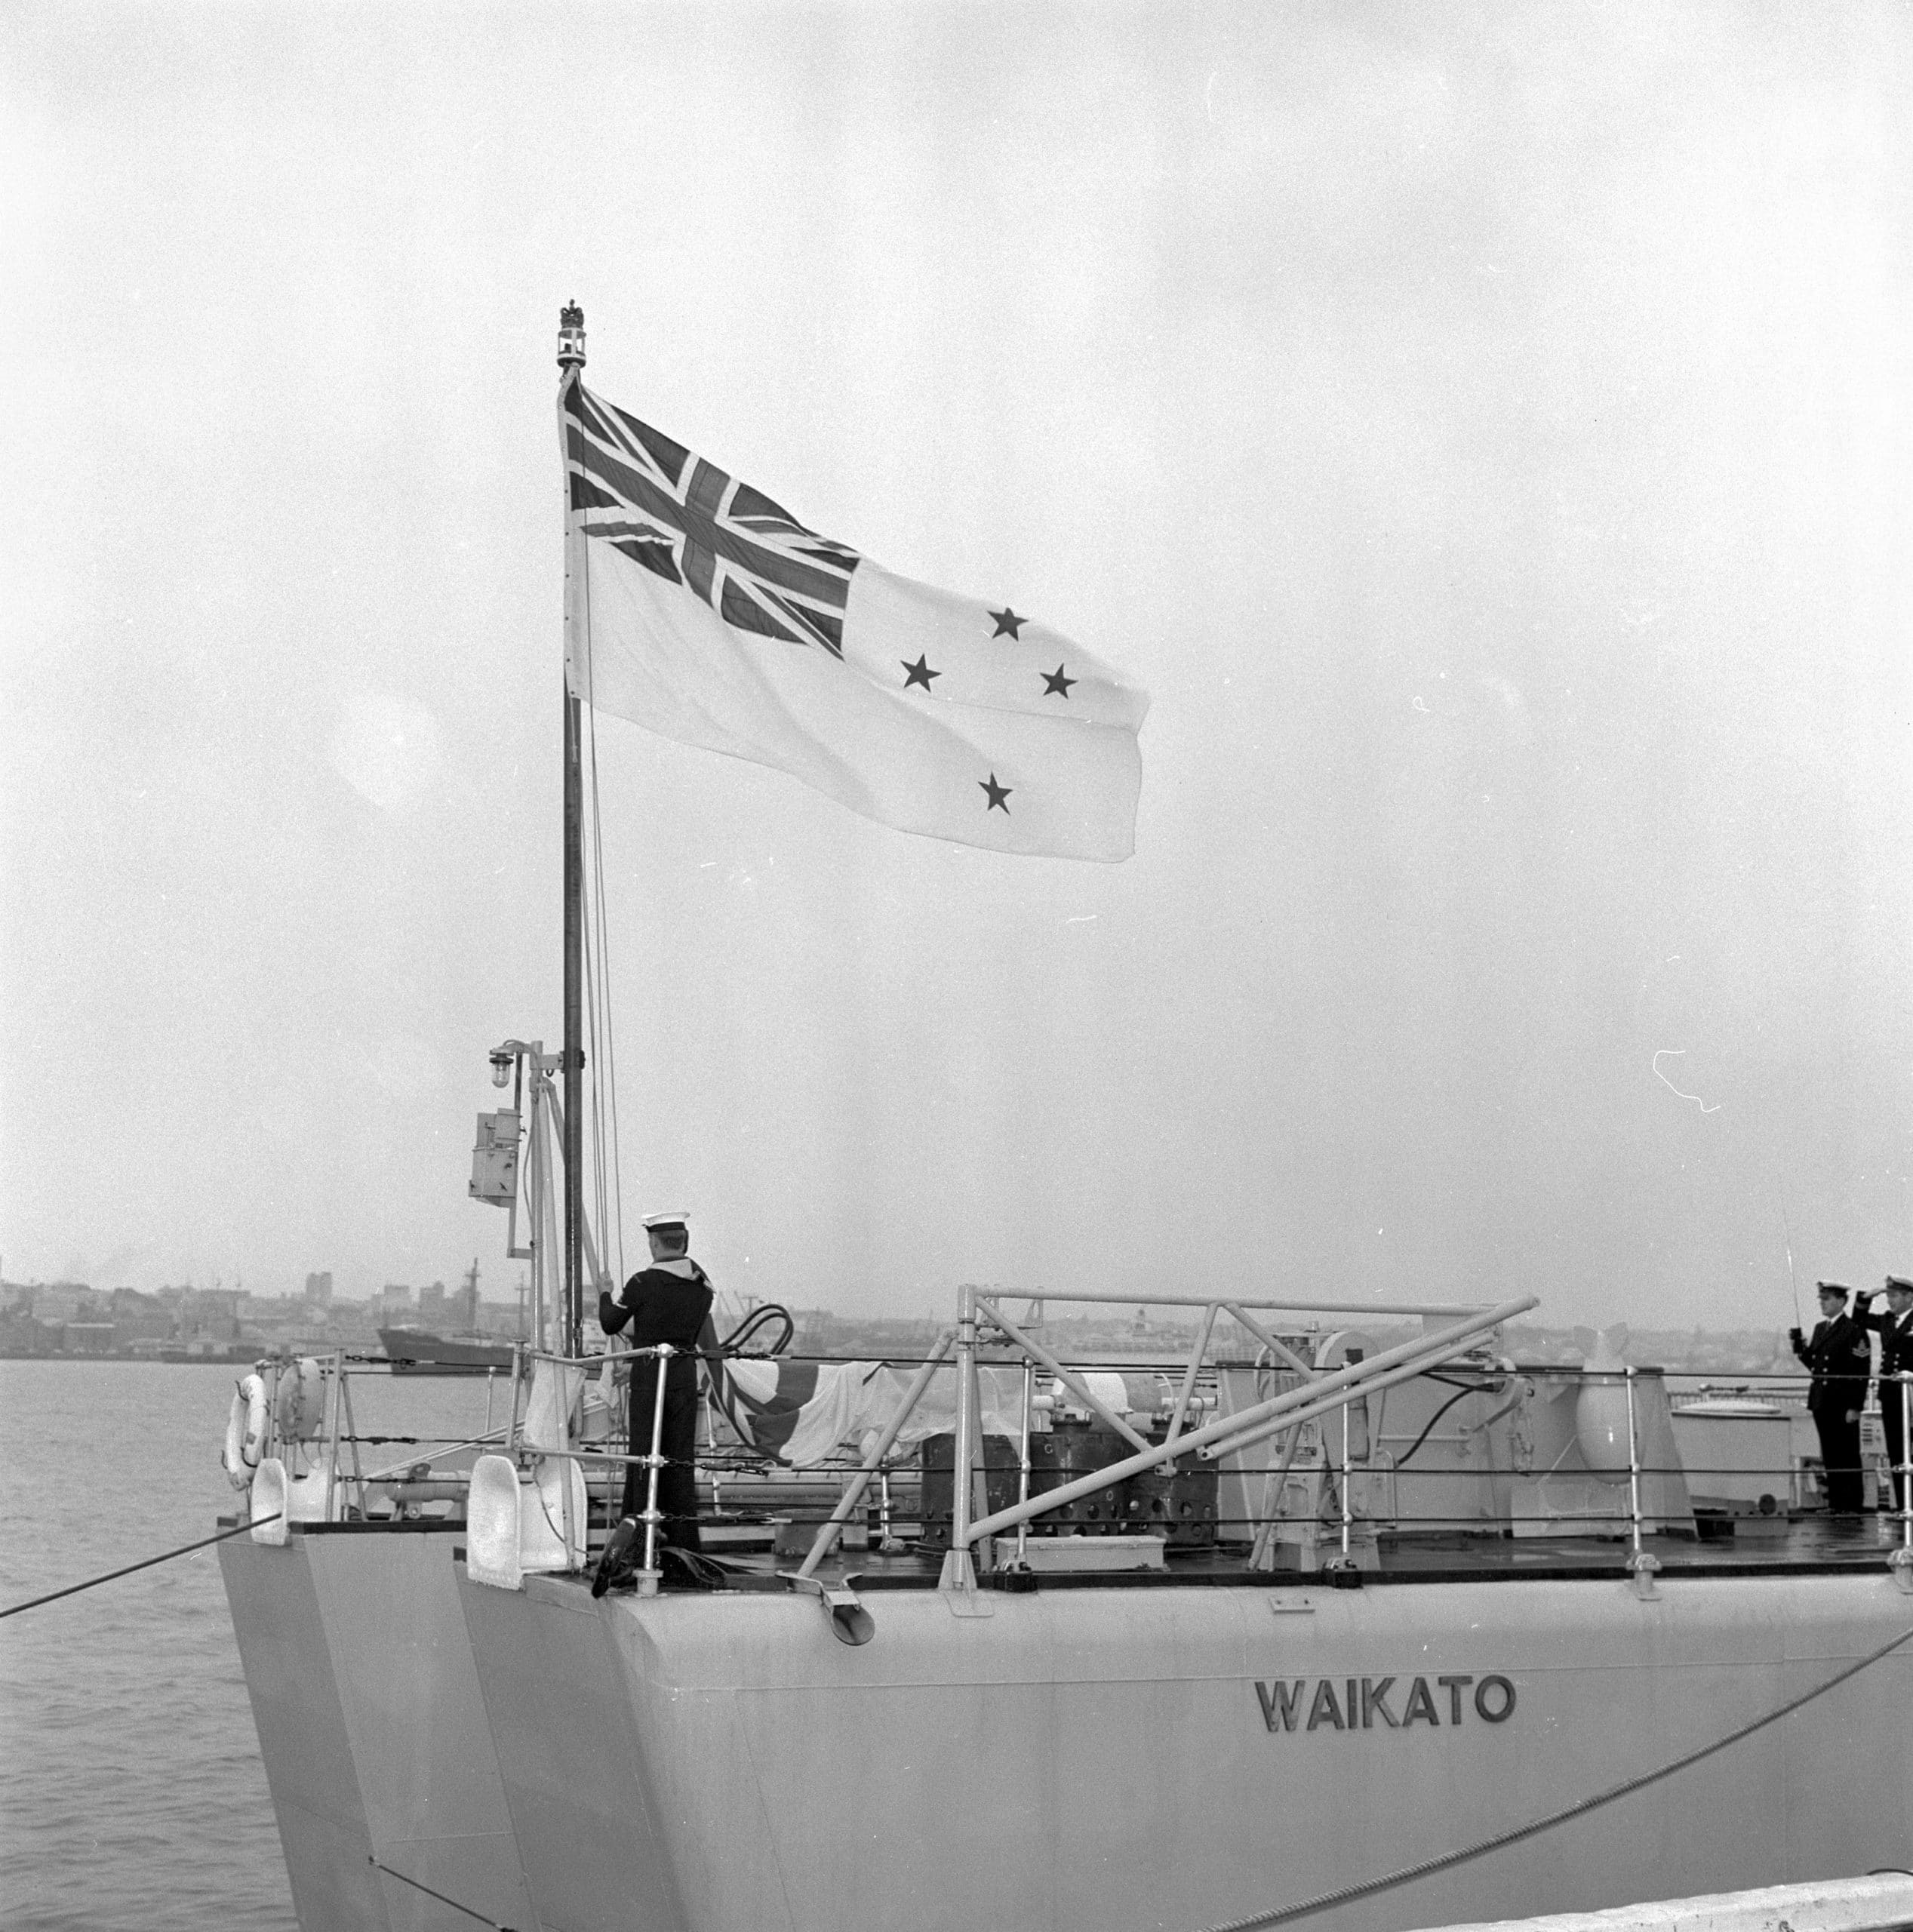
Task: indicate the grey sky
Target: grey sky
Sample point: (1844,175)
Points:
(1486,432)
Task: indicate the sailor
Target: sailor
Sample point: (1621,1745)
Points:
(1895,1329)
(670,1301)
(1840,1356)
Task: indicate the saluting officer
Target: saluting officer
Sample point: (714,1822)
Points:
(1841,1357)
(670,1301)
(1895,1329)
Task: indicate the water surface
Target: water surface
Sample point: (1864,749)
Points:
(132,1794)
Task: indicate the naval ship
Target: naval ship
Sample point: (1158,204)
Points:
(413,1349)
(1324,1622)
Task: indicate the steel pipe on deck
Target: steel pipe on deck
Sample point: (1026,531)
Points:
(1409,1358)
(854,1491)
(1068,1378)
(1313,1403)
(1284,1304)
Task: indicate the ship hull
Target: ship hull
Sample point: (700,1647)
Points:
(1095,1759)
(417,1352)
(372,1728)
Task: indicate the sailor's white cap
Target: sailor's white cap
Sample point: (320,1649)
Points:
(675,1217)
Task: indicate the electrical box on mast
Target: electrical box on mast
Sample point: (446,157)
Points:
(495,1158)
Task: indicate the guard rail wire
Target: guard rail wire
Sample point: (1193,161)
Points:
(145,1563)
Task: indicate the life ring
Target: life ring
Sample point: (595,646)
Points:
(299,1404)
(245,1431)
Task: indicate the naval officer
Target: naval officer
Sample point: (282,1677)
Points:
(670,1301)
(1895,1329)
(1841,1357)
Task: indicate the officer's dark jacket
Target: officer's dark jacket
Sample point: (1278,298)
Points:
(669,1301)
(1896,1339)
(1841,1357)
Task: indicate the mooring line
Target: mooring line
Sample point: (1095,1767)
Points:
(184,1549)
(496,1927)
(1346,1893)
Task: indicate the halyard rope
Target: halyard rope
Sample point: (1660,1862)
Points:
(146,1563)
(1283,1913)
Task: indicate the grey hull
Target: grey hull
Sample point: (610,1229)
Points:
(373,1729)
(1095,1761)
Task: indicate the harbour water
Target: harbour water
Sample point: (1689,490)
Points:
(132,1795)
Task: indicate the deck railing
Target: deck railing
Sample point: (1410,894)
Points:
(1326,1422)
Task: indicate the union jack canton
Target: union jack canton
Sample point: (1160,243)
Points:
(683,518)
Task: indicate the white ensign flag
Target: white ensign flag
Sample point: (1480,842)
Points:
(700,609)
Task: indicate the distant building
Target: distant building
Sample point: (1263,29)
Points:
(139,1317)
(58,1304)
(88,1338)
(318,1288)
(431,1302)
(212,1315)
(394,1297)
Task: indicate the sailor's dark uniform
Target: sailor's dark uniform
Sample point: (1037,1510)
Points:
(1896,1333)
(670,1301)
(1840,1356)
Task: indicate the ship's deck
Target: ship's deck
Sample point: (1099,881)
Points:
(1806,1544)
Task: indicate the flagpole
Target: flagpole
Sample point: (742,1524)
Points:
(570,360)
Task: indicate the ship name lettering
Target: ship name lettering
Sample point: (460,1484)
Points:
(1356,1704)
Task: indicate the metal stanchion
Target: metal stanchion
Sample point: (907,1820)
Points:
(1899,1565)
(1906,1465)
(959,1569)
(1022,1486)
(1641,1566)
(1348,1504)
(648,1577)
(351,1432)
(515,1430)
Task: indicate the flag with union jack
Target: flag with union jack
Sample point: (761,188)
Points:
(700,608)
(683,518)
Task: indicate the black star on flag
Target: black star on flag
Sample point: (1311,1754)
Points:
(918,673)
(1055,683)
(1008,624)
(997,793)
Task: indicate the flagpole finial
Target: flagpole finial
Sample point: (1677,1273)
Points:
(571,336)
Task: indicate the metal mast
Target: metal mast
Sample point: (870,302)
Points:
(570,360)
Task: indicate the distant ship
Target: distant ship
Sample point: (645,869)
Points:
(415,1351)
(419,1351)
